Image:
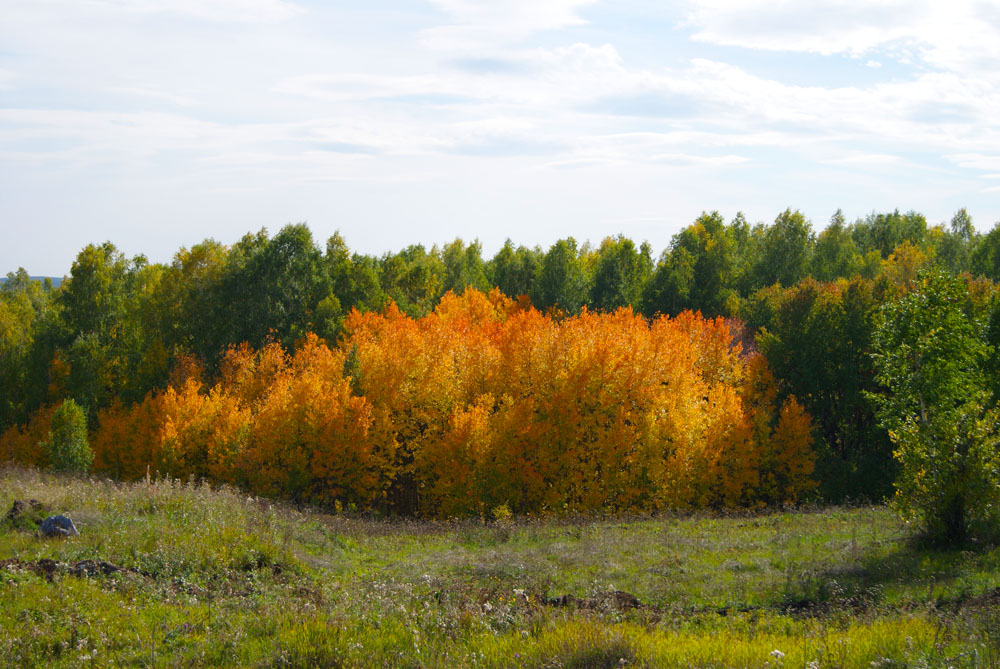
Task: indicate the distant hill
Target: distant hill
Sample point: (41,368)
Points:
(56,280)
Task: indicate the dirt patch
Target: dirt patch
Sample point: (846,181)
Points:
(50,568)
(988,600)
(614,600)
(20,506)
(26,514)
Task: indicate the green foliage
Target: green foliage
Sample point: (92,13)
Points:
(25,305)
(177,309)
(354,284)
(884,232)
(66,448)
(464,267)
(621,272)
(354,278)
(930,353)
(104,339)
(836,254)
(816,338)
(669,289)
(513,270)
(954,245)
(268,288)
(561,280)
(786,250)
(698,271)
(985,260)
(413,278)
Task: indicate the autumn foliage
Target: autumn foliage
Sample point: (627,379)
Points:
(484,402)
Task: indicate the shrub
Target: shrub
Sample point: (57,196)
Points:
(931,355)
(66,447)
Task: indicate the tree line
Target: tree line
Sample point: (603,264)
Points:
(119,328)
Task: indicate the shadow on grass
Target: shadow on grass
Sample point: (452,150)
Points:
(915,570)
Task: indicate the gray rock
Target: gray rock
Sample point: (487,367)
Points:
(58,526)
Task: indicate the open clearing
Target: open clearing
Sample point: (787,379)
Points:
(172,574)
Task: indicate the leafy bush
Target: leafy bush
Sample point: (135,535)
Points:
(930,353)
(66,447)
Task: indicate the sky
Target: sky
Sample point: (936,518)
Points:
(155,124)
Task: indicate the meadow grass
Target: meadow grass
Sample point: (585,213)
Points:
(214,577)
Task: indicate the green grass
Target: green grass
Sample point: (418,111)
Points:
(214,577)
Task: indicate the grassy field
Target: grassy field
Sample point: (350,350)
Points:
(168,574)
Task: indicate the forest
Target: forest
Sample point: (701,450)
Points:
(743,367)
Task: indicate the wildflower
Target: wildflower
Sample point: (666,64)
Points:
(777,654)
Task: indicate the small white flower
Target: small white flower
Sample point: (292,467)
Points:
(777,654)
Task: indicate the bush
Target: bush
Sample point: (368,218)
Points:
(66,447)
(930,354)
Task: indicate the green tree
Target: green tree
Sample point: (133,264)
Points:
(464,267)
(185,295)
(786,250)
(413,278)
(512,270)
(268,287)
(621,273)
(355,285)
(955,245)
(817,341)
(104,316)
(697,272)
(884,232)
(354,277)
(668,290)
(985,260)
(747,248)
(930,354)
(66,448)
(562,281)
(836,254)
(26,306)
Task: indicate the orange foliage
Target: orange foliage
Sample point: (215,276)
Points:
(494,403)
(126,444)
(481,403)
(309,438)
(22,444)
(59,370)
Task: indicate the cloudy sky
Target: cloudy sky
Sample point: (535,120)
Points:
(158,123)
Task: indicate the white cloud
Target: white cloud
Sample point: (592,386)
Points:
(155,93)
(7,79)
(377,115)
(864,159)
(820,26)
(959,35)
(977,161)
(476,24)
(209,10)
